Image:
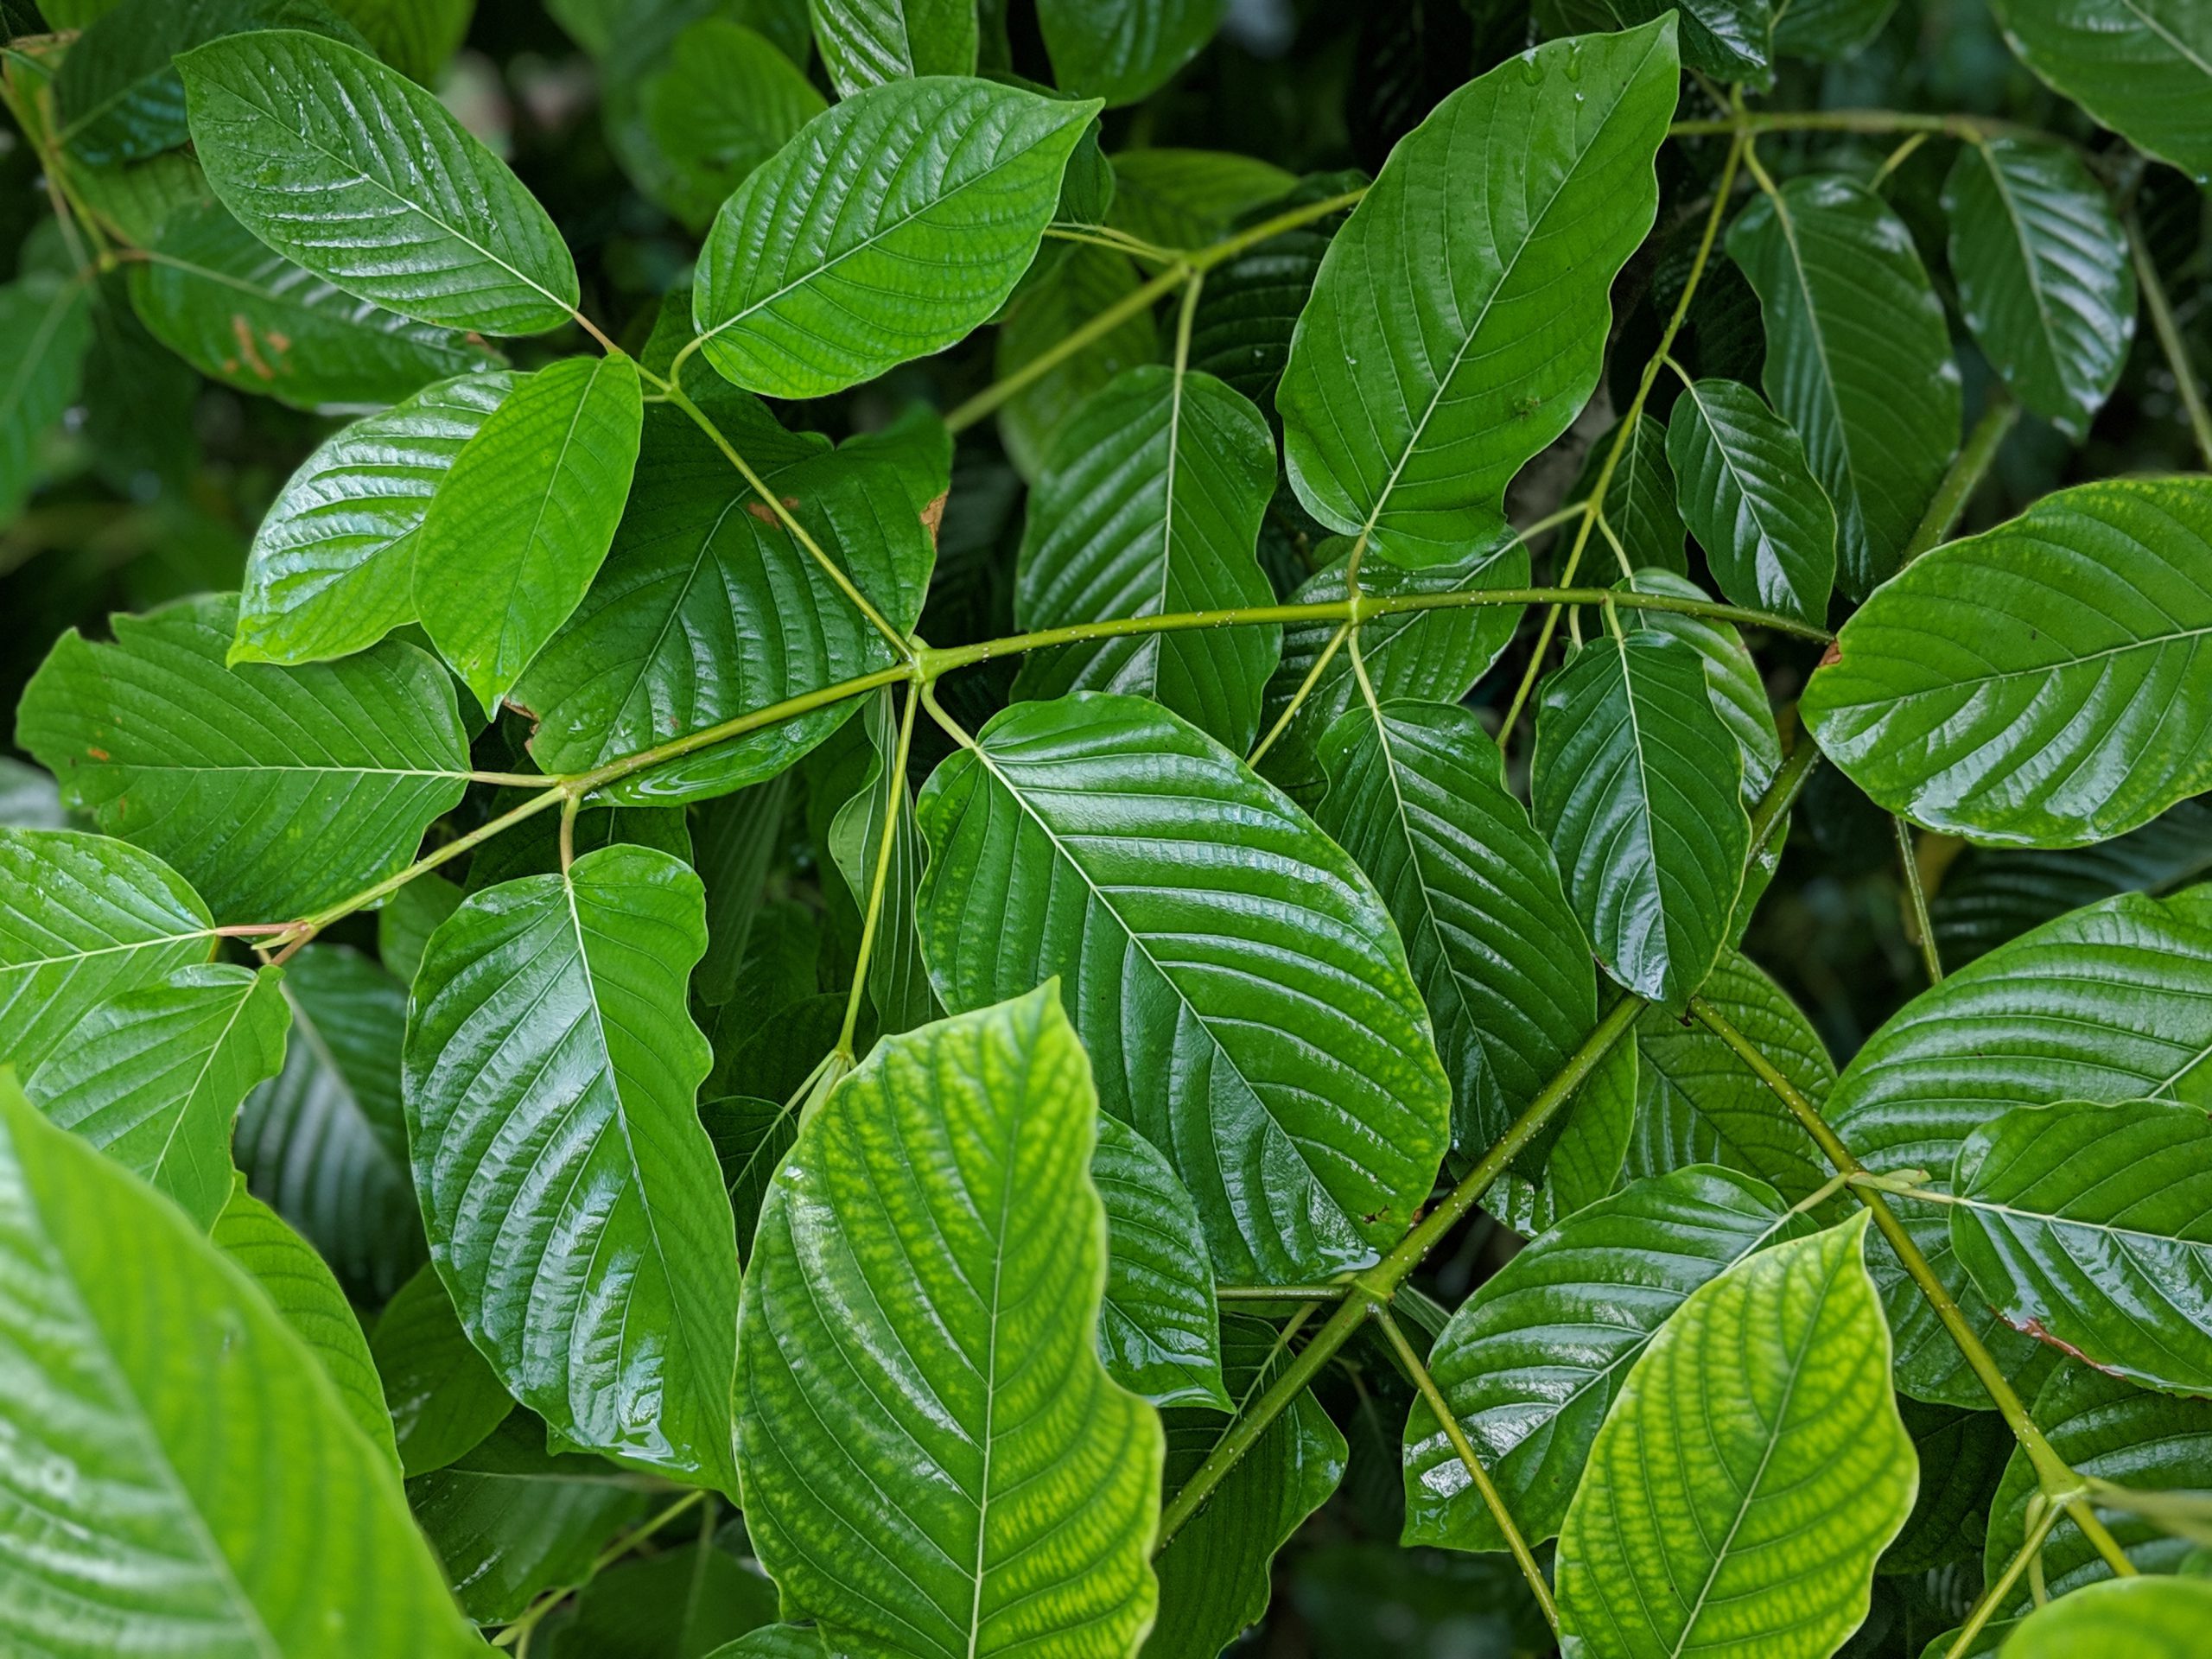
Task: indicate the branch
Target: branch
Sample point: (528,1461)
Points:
(1965,475)
(2170,338)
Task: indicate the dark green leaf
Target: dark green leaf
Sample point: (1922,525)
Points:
(898,979)
(726,102)
(1961,1453)
(1730,39)
(866,43)
(2142,67)
(1732,677)
(1187,197)
(405,923)
(1587,1153)
(1829,28)
(444,1397)
(414,37)
(1639,508)
(1748,495)
(1123,50)
(1158,1333)
(751,1138)
(677,1604)
(46,328)
(735,838)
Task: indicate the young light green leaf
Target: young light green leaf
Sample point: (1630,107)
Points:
(1749,497)
(2142,67)
(362,176)
(726,103)
(1460,316)
(1123,51)
(1858,361)
(1158,1333)
(414,37)
(2145,1618)
(2044,275)
(826,269)
(155,1077)
(2040,684)
(1187,197)
(332,567)
(1532,1362)
(866,43)
(272,790)
(230,1475)
(1087,282)
(2090,1227)
(46,328)
(1245,1001)
(565,1181)
(1150,503)
(938,1228)
(1635,783)
(1640,508)
(514,535)
(1750,1472)
(444,1396)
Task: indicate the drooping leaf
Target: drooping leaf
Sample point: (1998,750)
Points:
(2044,275)
(966,1480)
(414,37)
(1123,50)
(333,564)
(444,1397)
(1187,197)
(1158,1333)
(517,529)
(1150,503)
(155,1077)
(1750,1470)
(272,790)
(2146,1618)
(1460,315)
(565,1181)
(2038,685)
(866,43)
(1089,280)
(1636,784)
(362,176)
(1244,1000)
(1857,360)
(229,1476)
(726,103)
(1749,497)
(898,979)
(1640,507)
(2142,67)
(46,328)
(827,266)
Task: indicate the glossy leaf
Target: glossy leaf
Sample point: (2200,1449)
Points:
(899,981)
(1640,507)
(735,839)
(46,328)
(1585,1161)
(2142,67)
(1249,310)
(751,1138)
(1962,1454)
(1460,315)
(726,102)
(1158,1333)
(1827,29)
(824,270)
(565,1181)
(414,37)
(444,1397)
(1245,1002)
(1750,1472)
(2040,684)
(1089,280)
(1732,678)
(1187,197)
(866,43)
(2146,1618)
(272,790)
(362,176)
(1749,497)
(677,1602)
(1123,50)
(963,1478)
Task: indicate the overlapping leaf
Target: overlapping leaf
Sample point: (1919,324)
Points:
(443,1397)
(726,102)
(1640,508)
(1749,496)
(866,43)
(1089,280)
(414,37)
(1158,1333)
(2147,1619)
(1122,50)
(2142,67)
(46,328)
(1187,198)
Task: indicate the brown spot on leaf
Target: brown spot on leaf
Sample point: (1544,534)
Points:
(762,511)
(1833,655)
(2035,1328)
(933,516)
(249,350)
(98,754)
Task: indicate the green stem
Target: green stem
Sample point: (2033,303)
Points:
(895,788)
(1297,697)
(518,1630)
(1971,128)
(2045,1518)
(1924,930)
(1965,475)
(2169,336)
(1329,1293)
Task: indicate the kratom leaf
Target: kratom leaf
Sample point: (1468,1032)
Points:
(1417,795)
(2146,1618)
(272,790)
(333,564)
(1460,315)
(1123,50)
(1857,360)
(533,847)
(773,1642)
(866,43)
(751,1137)
(362,176)
(965,1479)
(1827,29)
(517,529)
(1158,1334)
(414,37)
(1732,677)
(1749,497)
(155,1077)
(1245,1001)
(1089,280)
(230,1476)
(2099,1005)
(1187,197)
(407,920)
(2090,1227)
(2041,685)
(444,1397)
(735,839)
(1750,1470)
(2044,274)
(1639,507)
(1962,1454)
(824,270)
(898,979)
(1636,784)
(2142,67)
(1249,309)
(726,102)
(664,1607)
(46,328)
(1150,503)
(1533,1361)
(1588,1151)
(84,920)
(565,1181)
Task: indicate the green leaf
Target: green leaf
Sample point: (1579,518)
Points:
(155,1077)
(1214,1574)
(533,847)
(2044,275)
(84,919)
(1730,39)
(736,838)
(2037,685)
(274,790)
(1150,503)
(2090,1227)
(1731,676)
(866,43)
(333,564)
(518,528)
(301,1288)
(671,1606)
(1249,307)
(1750,1470)
(230,1476)
(2145,1618)
(565,1182)
(45,329)
(1857,360)
(244,314)
(2099,1005)
(1636,784)
(1587,1152)
(1089,280)
(1827,29)
(1533,1361)
(2142,67)
(1460,316)
(1962,1454)
(1187,197)
(414,37)
(898,979)
(405,923)
(1123,51)
(362,176)
(751,1138)
(1158,1333)
(1749,497)
(1639,508)
(726,103)
(444,1396)
(773,1642)
(1417,795)
(1245,1001)
(826,268)
(966,1480)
